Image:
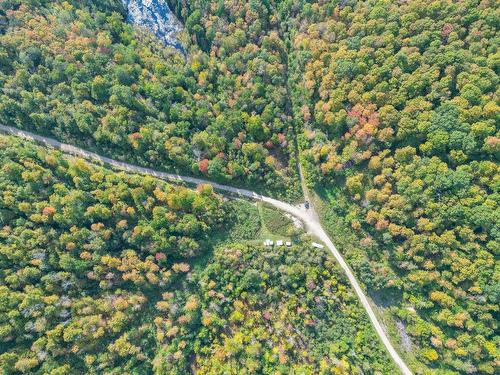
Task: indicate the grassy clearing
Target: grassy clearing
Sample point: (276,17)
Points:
(245,221)
(254,222)
(274,221)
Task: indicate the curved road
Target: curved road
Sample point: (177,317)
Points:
(309,217)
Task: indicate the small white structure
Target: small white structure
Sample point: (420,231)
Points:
(279,243)
(317,245)
(268,243)
(288,243)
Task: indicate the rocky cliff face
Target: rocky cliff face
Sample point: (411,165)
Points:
(156,16)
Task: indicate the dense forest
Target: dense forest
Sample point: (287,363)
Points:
(85,255)
(105,272)
(398,103)
(83,75)
(394,109)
